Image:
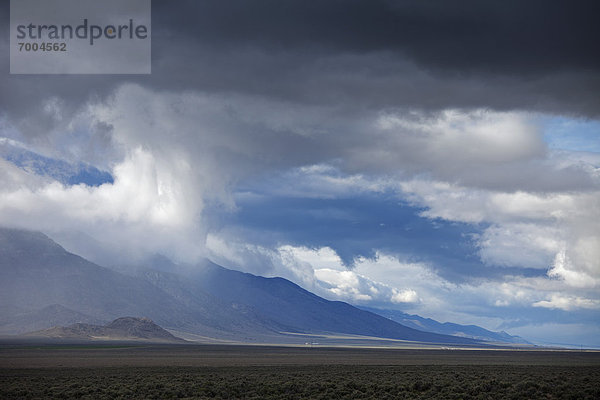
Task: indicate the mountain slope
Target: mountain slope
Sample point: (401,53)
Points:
(52,315)
(446,328)
(285,304)
(35,272)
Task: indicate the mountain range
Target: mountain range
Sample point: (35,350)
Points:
(446,328)
(42,285)
(53,168)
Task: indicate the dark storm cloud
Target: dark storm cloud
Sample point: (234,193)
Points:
(510,37)
(536,55)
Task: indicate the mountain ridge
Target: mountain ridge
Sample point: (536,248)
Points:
(301,311)
(53,168)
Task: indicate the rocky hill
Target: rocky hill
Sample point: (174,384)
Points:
(125,328)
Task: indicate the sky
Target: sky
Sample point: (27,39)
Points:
(438,158)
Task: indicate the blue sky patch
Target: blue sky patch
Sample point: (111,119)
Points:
(562,133)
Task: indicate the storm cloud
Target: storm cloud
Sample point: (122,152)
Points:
(536,55)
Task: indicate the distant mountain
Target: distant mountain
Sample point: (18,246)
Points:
(41,283)
(124,328)
(446,328)
(60,170)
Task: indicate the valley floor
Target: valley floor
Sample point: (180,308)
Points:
(220,371)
